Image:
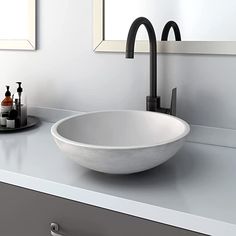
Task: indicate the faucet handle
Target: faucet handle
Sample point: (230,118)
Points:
(173,104)
(154,104)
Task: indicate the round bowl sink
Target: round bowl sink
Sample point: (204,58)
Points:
(120,142)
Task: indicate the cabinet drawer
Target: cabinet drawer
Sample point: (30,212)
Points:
(29,213)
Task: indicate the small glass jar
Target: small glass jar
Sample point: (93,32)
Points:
(3,119)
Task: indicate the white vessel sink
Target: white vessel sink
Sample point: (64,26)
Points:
(120,142)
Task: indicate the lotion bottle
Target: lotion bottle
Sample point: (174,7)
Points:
(21,105)
(6,104)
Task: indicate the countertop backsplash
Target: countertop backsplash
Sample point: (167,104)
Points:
(65,73)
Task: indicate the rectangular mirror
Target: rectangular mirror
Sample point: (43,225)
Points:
(207,27)
(17,24)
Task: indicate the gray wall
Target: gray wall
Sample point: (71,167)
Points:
(66,73)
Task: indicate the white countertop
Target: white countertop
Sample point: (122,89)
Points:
(194,190)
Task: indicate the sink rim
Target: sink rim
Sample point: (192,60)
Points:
(56,135)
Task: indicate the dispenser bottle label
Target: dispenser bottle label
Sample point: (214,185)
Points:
(5,109)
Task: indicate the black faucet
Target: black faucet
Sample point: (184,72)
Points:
(166,30)
(153,102)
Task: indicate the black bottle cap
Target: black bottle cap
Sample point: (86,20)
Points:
(5,114)
(8,93)
(19,89)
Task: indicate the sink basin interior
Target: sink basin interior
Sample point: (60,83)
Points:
(122,129)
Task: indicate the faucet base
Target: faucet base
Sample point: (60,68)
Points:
(153,103)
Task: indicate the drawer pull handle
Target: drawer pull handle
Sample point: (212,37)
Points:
(55,229)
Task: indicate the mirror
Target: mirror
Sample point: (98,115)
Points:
(207,27)
(17,24)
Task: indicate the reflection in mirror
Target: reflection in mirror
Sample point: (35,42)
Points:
(199,20)
(207,27)
(17,24)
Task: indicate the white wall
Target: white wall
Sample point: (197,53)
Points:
(65,72)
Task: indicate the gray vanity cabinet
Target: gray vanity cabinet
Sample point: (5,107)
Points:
(29,213)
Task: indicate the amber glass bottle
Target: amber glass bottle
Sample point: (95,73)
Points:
(6,104)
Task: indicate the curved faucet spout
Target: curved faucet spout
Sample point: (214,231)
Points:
(153,49)
(166,30)
(153,102)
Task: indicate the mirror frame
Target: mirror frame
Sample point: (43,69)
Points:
(100,44)
(24,44)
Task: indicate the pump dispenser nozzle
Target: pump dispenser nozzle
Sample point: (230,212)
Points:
(19,89)
(8,93)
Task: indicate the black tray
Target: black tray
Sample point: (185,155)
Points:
(31,121)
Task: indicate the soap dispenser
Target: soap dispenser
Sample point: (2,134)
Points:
(6,104)
(21,105)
